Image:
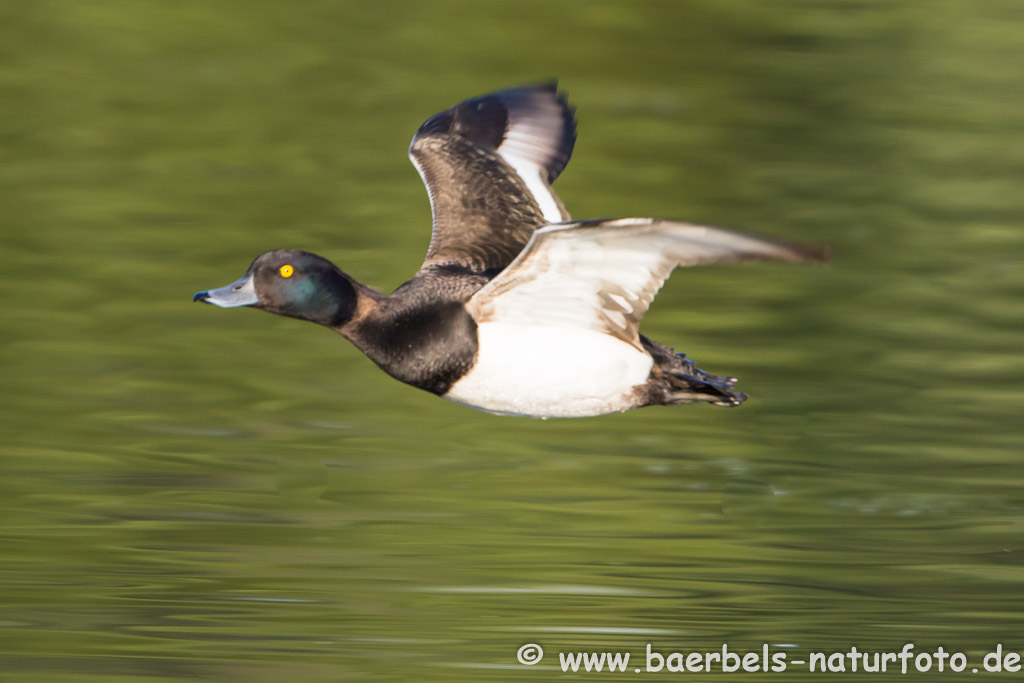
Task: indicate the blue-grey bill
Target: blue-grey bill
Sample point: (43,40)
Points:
(239,293)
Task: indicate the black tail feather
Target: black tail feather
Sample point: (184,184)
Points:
(676,380)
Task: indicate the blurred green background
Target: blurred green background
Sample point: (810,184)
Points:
(188,493)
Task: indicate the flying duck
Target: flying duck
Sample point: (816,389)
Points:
(517,309)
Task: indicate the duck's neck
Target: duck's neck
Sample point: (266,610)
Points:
(363,300)
(423,340)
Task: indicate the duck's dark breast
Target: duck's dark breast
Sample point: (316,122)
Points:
(429,345)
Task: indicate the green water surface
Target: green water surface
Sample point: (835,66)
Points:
(189,493)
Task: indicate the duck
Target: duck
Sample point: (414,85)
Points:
(517,309)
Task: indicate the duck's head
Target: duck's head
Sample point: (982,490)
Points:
(293,283)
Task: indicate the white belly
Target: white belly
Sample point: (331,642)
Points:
(551,372)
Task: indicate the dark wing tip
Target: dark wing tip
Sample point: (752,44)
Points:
(482,120)
(549,107)
(486,120)
(793,252)
(814,253)
(784,250)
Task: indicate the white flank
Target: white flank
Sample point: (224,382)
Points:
(551,372)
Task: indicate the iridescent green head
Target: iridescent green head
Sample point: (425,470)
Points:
(292,283)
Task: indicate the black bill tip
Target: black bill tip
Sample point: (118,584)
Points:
(201,296)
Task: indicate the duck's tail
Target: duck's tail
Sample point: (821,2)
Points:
(675,380)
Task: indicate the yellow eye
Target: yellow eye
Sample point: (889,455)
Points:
(286,271)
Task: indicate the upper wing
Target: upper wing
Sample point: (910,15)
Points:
(602,275)
(488,164)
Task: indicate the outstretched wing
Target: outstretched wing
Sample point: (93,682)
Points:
(488,164)
(602,275)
